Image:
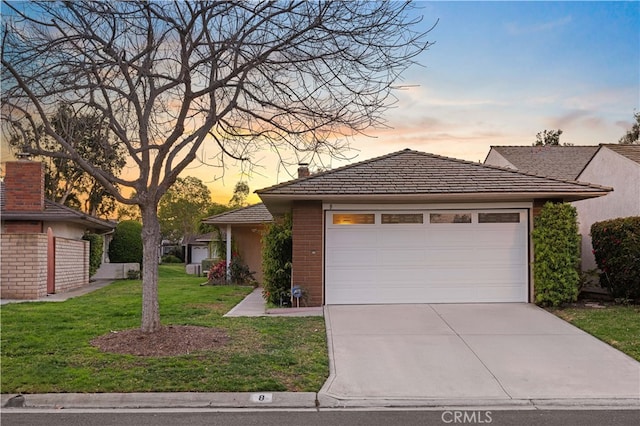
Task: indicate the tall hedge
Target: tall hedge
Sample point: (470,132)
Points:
(126,245)
(276,261)
(616,247)
(95,251)
(556,255)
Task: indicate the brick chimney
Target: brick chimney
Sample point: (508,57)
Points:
(24,186)
(303,170)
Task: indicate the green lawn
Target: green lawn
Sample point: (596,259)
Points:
(45,345)
(616,325)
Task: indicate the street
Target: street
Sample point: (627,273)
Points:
(385,417)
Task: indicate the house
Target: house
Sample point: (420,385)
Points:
(41,241)
(612,165)
(197,248)
(412,227)
(244,227)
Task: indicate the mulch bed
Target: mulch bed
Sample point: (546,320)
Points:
(168,341)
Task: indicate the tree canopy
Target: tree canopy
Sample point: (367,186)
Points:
(169,77)
(183,207)
(548,137)
(632,137)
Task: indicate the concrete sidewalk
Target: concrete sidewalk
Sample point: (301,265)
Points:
(254,306)
(61,297)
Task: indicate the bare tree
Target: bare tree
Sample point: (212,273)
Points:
(169,77)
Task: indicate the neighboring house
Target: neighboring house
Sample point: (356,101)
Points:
(42,247)
(245,227)
(197,248)
(612,165)
(411,227)
(563,162)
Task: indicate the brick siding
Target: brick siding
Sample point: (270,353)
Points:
(308,249)
(72,264)
(23,227)
(23,271)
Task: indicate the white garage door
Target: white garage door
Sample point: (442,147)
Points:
(426,256)
(199,253)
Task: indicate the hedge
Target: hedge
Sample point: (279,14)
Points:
(556,255)
(276,262)
(616,247)
(95,251)
(126,245)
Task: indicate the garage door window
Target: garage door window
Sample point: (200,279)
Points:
(450,218)
(498,217)
(402,218)
(354,219)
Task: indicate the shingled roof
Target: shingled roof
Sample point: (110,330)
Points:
(256,213)
(562,162)
(632,152)
(413,172)
(55,212)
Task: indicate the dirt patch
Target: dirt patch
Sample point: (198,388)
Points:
(168,341)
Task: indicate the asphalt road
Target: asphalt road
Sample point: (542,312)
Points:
(321,418)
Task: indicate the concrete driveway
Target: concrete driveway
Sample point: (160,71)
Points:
(470,352)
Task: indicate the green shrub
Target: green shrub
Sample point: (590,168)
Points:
(616,247)
(126,245)
(240,274)
(556,255)
(169,258)
(95,251)
(276,262)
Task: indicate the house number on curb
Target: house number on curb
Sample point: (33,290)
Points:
(262,398)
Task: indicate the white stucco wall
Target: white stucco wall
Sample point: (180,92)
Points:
(495,159)
(65,229)
(622,174)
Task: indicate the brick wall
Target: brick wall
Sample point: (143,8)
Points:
(307,249)
(23,227)
(72,264)
(23,271)
(24,186)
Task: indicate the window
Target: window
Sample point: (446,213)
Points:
(450,218)
(354,219)
(402,218)
(498,217)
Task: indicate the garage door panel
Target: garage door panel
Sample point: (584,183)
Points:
(426,263)
(401,238)
(350,237)
(349,257)
(408,257)
(449,236)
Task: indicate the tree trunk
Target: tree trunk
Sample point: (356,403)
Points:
(150,253)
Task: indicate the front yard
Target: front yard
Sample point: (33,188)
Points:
(46,346)
(616,325)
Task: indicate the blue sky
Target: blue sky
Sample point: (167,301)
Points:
(500,72)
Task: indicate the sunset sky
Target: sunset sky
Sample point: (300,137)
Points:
(498,73)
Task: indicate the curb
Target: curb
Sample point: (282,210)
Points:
(162,400)
(292,400)
(329,402)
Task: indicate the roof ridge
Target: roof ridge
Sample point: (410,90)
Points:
(331,171)
(477,165)
(592,185)
(232,211)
